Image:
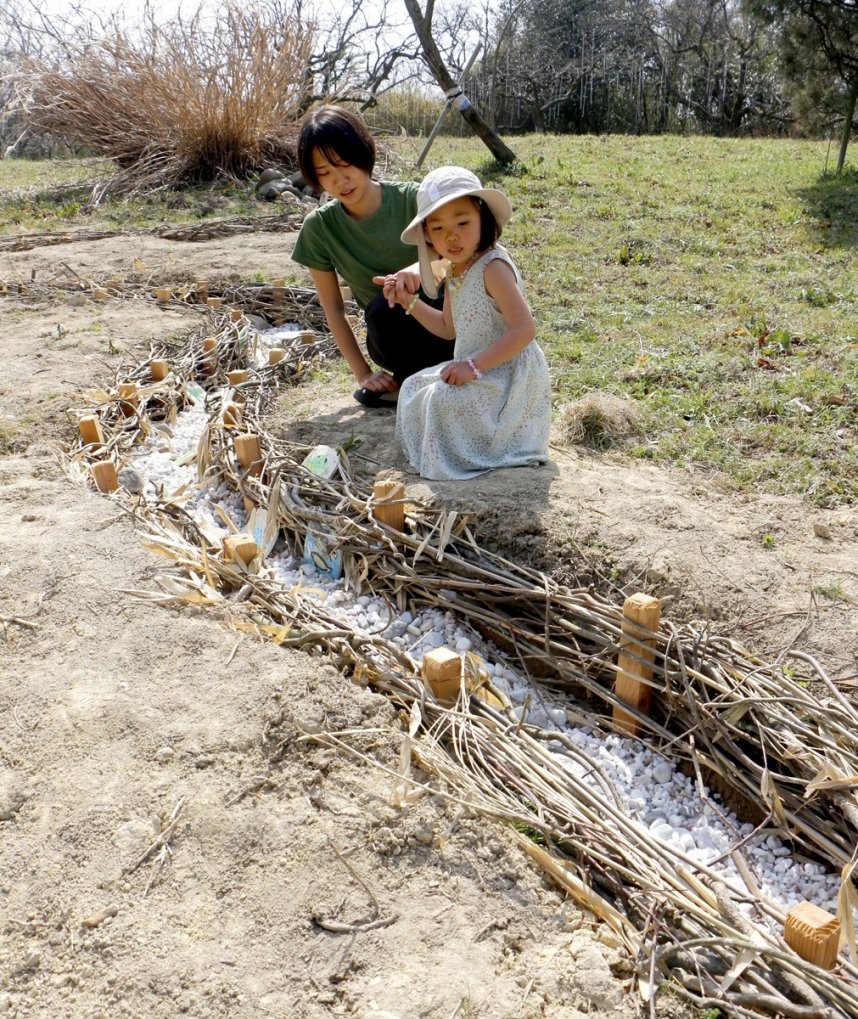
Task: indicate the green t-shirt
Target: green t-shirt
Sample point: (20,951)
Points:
(359,249)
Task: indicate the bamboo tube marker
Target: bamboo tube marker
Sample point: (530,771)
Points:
(237,376)
(388,503)
(90,430)
(442,672)
(813,933)
(641,614)
(214,302)
(159,369)
(104,475)
(129,397)
(240,548)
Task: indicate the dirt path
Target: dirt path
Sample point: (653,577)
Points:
(169,845)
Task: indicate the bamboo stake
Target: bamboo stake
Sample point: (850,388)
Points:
(813,933)
(442,672)
(104,475)
(159,370)
(89,427)
(388,503)
(641,615)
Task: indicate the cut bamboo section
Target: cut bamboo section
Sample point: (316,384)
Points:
(129,397)
(237,376)
(248,451)
(231,415)
(442,672)
(163,294)
(99,293)
(236,314)
(641,614)
(813,933)
(159,369)
(240,548)
(104,475)
(90,430)
(389,503)
(307,336)
(209,362)
(276,355)
(214,302)
(202,290)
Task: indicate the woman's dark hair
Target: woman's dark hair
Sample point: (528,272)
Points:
(490,229)
(342,136)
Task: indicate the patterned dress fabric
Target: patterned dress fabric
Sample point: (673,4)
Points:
(501,420)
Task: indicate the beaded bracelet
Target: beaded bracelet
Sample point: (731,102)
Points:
(411,304)
(469,361)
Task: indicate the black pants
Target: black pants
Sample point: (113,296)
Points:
(398,343)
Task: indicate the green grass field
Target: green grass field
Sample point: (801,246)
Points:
(711,283)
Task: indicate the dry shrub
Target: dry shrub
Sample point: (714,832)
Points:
(215,94)
(597,420)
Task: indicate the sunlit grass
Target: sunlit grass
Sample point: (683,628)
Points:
(711,283)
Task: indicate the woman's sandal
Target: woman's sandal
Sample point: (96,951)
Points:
(368,398)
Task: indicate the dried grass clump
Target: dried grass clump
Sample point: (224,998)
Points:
(179,103)
(597,419)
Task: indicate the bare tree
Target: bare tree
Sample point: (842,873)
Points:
(423,27)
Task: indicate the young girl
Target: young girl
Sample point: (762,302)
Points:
(491,405)
(358,236)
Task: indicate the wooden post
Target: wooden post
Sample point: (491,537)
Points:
(99,293)
(813,934)
(240,548)
(90,430)
(236,314)
(237,376)
(202,290)
(275,355)
(159,369)
(442,672)
(307,336)
(104,474)
(129,397)
(214,302)
(641,614)
(388,503)
(248,452)
(163,294)
(278,291)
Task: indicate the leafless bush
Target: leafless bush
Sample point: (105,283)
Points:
(212,95)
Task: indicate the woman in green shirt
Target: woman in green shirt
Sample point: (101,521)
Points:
(357,236)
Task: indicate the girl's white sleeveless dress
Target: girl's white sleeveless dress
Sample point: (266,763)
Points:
(501,420)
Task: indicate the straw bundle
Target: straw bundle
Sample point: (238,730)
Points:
(792,755)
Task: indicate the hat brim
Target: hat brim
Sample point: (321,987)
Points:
(496,200)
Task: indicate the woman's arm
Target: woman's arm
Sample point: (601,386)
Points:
(501,286)
(331,299)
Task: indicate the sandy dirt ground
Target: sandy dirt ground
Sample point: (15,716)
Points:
(167,847)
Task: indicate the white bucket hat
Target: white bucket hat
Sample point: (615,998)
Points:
(439,187)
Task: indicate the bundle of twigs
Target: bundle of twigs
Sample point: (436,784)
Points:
(287,220)
(793,755)
(278,303)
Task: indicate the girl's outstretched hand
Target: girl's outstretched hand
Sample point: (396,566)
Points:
(398,287)
(457,373)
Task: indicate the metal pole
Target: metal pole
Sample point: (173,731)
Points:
(457,92)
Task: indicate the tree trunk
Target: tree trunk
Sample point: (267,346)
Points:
(847,126)
(423,28)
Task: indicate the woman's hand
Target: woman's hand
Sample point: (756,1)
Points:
(399,287)
(457,373)
(379,382)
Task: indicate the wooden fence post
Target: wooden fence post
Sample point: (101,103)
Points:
(388,506)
